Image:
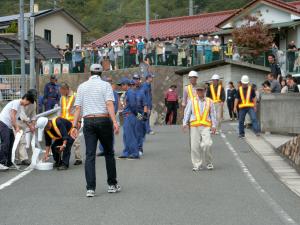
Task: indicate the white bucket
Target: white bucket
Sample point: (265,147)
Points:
(44,166)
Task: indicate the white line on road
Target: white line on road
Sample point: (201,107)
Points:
(13,180)
(284,217)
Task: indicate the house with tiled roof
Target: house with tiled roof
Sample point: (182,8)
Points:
(283,17)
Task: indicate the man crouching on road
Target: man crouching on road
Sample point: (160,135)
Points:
(57,136)
(200,114)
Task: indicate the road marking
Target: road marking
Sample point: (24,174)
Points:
(277,209)
(14,179)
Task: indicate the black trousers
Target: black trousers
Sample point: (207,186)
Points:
(94,130)
(230,105)
(64,160)
(171,113)
(7,140)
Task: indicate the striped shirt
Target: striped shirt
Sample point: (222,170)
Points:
(189,114)
(92,96)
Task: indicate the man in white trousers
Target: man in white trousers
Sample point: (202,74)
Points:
(200,115)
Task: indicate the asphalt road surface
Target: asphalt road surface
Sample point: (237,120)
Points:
(159,189)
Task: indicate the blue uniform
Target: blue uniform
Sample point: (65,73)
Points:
(129,131)
(148,93)
(141,102)
(51,95)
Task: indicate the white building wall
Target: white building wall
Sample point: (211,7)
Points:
(60,26)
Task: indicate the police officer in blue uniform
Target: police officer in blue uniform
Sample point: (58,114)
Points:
(129,114)
(142,113)
(51,94)
(148,93)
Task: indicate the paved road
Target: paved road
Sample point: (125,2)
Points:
(159,189)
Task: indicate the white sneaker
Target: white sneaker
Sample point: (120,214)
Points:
(2,167)
(90,193)
(152,132)
(114,188)
(195,169)
(140,153)
(210,166)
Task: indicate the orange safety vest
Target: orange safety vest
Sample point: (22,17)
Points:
(191,93)
(246,103)
(52,136)
(216,97)
(201,119)
(66,107)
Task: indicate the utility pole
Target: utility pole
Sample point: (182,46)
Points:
(147,20)
(32,47)
(191,8)
(22,48)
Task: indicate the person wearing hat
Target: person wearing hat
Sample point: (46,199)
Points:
(171,103)
(200,116)
(8,124)
(57,138)
(246,103)
(146,86)
(130,138)
(26,121)
(216,48)
(217,94)
(51,93)
(67,110)
(189,91)
(229,49)
(95,103)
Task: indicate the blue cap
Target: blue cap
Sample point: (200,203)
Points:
(123,80)
(136,76)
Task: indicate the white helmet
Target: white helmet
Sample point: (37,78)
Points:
(193,74)
(215,77)
(96,68)
(245,79)
(41,123)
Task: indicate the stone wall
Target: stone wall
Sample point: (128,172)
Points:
(291,150)
(165,77)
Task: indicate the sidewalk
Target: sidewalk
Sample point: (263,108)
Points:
(265,147)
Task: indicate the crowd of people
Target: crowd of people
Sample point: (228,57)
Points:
(132,51)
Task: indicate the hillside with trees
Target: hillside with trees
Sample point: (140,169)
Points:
(104,16)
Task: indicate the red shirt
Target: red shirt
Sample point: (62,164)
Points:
(133,49)
(171,96)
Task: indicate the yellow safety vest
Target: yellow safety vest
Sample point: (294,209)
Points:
(191,93)
(66,107)
(246,103)
(52,136)
(201,119)
(229,51)
(216,97)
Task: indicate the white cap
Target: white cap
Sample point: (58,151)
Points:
(230,40)
(96,68)
(216,37)
(193,74)
(41,123)
(77,45)
(215,77)
(245,79)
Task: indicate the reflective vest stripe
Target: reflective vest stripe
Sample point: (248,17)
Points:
(190,92)
(66,107)
(201,120)
(216,97)
(246,103)
(56,130)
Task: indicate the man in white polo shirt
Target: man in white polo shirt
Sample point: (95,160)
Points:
(95,102)
(8,121)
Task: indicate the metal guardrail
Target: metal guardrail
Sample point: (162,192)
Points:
(10,87)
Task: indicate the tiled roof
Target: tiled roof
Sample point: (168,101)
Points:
(171,27)
(293,7)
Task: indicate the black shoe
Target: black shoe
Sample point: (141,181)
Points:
(100,154)
(78,162)
(25,162)
(241,136)
(122,157)
(56,165)
(62,167)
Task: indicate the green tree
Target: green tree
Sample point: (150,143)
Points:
(12,28)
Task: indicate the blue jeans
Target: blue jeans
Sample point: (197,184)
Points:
(140,132)
(242,116)
(130,137)
(94,130)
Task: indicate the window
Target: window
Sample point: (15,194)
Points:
(47,35)
(70,40)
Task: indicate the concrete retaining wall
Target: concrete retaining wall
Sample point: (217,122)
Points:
(280,113)
(291,151)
